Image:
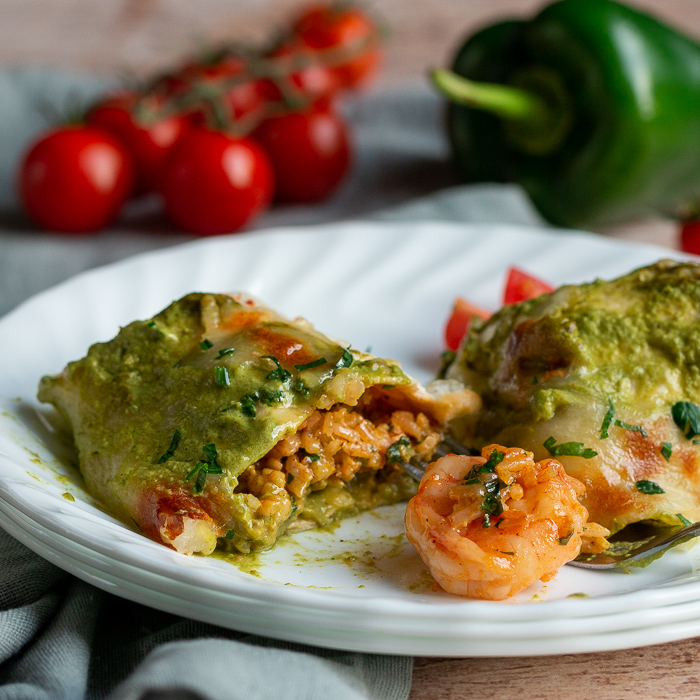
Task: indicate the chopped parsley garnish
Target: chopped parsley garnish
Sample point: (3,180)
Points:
(224,352)
(487,521)
(568,449)
(650,488)
(487,467)
(510,554)
(345,359)
(290,477)
(686,416)
(247,404)
(204,467)
(152,324)
(565,540)
(394,453)
(221,376)
(266,396)
(633,428)
(301,388)
(206,344)
(312,364)
(607,421)
(683,519)
(230,535)
(280,373)
(171,450)
(313,457)
(535,380)
(666,450)
(492,505)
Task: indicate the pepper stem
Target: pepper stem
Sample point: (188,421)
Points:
(502,100)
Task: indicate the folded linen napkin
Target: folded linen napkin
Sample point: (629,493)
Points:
(62,638)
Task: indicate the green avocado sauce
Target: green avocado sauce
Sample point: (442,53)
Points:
(189,399)
(635,339)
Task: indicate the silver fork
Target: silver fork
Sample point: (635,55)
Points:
(644,544)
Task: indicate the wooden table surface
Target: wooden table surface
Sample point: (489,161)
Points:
(138,36)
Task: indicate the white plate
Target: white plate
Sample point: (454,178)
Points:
(388,286)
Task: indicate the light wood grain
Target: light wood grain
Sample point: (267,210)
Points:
(141,36)
(663,672)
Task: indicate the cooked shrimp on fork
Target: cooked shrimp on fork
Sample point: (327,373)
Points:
(489,526)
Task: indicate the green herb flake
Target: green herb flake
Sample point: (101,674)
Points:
(268,396)
(686,416)
(313,457)
(666,450)
(290,478)
(312,364)
(492,505)
(247,405)
(633,428)
(510,554)
(280,373)
(221,376)
(650,488)
(171,450)
(204,467)
(302,389)
(568,449)
(469,482)
(345,360)
(607,420)
(394,453)
(488,467)
(565,540)
(535,380)
(154,326)
(683,519)
(230,535)
(206,344)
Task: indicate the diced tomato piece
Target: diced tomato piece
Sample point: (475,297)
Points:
(520,287)
(690,237)
(458,324)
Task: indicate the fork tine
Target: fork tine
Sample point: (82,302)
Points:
(416,467)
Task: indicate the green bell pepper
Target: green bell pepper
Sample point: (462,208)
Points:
(593,107)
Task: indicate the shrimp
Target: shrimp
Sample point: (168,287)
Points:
(489,526)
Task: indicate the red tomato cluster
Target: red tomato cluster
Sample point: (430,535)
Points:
(520,286)
(217,139)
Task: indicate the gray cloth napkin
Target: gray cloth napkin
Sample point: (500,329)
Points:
(62,638)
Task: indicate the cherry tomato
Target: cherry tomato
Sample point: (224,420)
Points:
(520,286)
(147,138)
(690,237)
(301,73)
(220,93)
(213,183)
(457,326)
(75,179)
(348,37)
(309,152)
